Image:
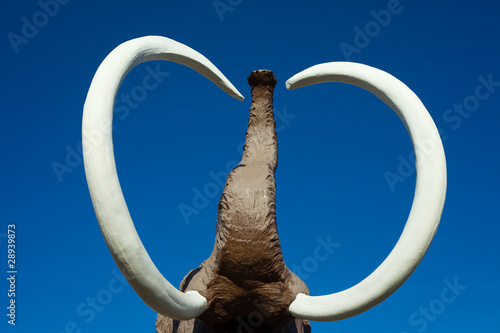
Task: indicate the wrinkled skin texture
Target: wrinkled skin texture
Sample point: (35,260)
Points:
(245,280)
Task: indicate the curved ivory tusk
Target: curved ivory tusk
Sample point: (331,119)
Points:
(427,204)
(100,169)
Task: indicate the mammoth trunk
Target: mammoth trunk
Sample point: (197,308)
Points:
(247,216)
(247,255)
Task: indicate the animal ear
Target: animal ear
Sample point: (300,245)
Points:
(427,204)
(107,197)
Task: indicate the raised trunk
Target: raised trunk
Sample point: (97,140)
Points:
(247,235)
(249,263)
(246,277)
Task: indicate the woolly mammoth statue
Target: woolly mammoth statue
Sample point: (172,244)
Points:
(246,271)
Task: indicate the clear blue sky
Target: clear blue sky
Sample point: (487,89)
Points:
(337,144)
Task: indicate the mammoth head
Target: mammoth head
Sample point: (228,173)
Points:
(250,185)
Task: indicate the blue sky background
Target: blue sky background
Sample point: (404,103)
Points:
(337,144)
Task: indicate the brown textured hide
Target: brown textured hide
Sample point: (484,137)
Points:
(245,280)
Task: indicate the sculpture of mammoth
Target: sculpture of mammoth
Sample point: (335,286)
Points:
(246,271)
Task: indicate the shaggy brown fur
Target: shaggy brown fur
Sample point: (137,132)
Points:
(245,280)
